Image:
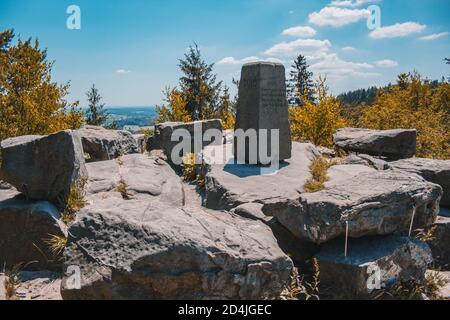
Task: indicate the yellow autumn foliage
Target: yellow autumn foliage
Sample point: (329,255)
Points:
(175,110)
(316,122)
(414,103)
(30,102)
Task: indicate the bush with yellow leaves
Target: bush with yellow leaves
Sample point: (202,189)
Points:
(316,122)
(30,102)
(414,103)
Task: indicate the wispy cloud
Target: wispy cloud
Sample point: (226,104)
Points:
(334,66)
(386,63)
(311,48)
(122,71)
(348,49)
(397,30)
(234,61)
(337,17)
(300,31)
(350,3)
(434,36)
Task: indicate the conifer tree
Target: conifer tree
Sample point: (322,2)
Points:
(300,86)
(96,115)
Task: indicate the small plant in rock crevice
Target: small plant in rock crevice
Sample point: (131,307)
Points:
(75,201)
(122,188)
(318,169)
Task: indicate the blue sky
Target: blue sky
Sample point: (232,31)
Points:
(130,49)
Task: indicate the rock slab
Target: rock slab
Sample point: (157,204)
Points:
(164,134)
(102,144)
(25,226)
(440,242)
(147,250)
(43,167)
(392,258)
(262,105)
(436,171)
(396,143)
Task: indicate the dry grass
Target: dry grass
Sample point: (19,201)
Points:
(12,281)
(122,188)
(56,244)
(413,290)
(318,169)
(300,289)
(75,202)
(189,167)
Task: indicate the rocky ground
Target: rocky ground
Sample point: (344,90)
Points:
(141,232)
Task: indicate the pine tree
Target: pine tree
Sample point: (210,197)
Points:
(300,85)
(30,101)
(199,85)
(96,115)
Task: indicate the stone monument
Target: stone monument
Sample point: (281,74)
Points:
(263,107)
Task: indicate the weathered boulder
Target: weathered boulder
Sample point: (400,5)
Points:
(439,242)
(373,202)
(394,258)
(436,171)
(397,143)
(141,142)
(24,228)
(366,160)
(136,176)
(229,184)
(43,167)
(147,250)
(164,131)
(102,144)
(299,251)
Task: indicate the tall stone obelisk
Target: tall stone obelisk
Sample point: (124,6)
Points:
(263,106)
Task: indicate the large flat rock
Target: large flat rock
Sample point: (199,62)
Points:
(374,203)
(436,171)
(148,250)
(102,144)
(24,228)
(392,258)
(43,167)
(143,177)
(229,184)
(396,143)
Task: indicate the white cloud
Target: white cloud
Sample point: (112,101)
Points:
(386,63)
(348,49)
(123,71)
(350,3)
(333,66)
(300,31)
(234,61)
(337,17)
(311,48)
(397,30)
(434,36)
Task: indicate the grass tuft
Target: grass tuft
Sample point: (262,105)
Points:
(75,202)
(318,169)
(56,244)
(300,289)
(122,188)
(188,167)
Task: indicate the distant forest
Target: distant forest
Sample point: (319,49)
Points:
(368,96)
